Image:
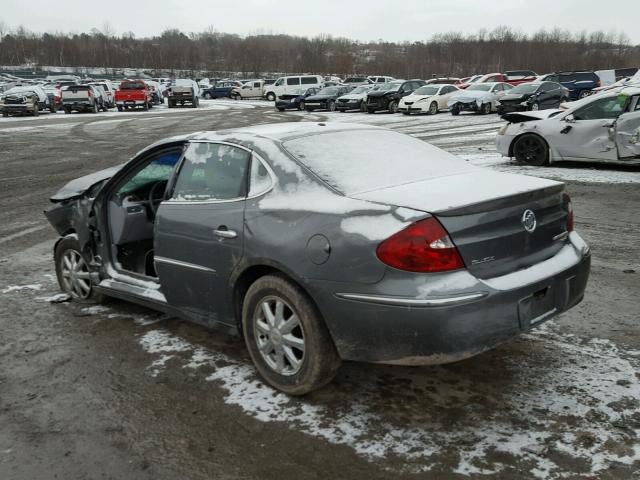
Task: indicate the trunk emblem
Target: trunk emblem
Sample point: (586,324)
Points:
(529,221)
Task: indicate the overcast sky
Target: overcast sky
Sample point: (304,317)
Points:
(362,20)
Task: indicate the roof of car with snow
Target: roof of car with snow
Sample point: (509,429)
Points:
(284,131)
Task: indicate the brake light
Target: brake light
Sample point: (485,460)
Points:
(569,217)
(424,246)
(90,93)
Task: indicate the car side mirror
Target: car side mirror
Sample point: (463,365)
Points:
(570,119)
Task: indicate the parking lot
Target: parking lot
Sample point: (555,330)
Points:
(131,393)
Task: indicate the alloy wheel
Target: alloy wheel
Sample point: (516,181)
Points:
(75,275)
(279,335)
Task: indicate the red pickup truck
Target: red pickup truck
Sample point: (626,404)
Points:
(134,94)
(515,77)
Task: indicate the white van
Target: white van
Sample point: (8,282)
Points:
(285,85)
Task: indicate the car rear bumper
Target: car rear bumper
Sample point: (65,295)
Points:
(128,103)
(417,319)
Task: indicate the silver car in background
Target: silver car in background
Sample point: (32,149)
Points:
(323,242)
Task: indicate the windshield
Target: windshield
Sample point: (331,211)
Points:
(132,86)
(475,78)
(329,91)
(22,90)
(426,91)
(482,87)
(389,87)
(525,88)
(360,90)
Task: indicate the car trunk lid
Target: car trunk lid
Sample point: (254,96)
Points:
(484,213)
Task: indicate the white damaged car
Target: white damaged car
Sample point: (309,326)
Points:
(478,97)
(600,128)
(428,99)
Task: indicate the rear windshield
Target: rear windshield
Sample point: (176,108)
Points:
(132,86)
(364,160)
(77,88)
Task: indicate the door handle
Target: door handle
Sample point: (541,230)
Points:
(224,232)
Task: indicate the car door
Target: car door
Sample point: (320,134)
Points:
(587,131)
(198,236)
(628,130)
(550,95)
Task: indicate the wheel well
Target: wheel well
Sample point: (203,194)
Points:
(513,142)
(248,277)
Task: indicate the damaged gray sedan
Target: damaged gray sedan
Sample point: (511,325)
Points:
(320,243)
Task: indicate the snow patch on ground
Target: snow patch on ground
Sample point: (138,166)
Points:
(57,298)
(19,288)
(95,310)
(593,381)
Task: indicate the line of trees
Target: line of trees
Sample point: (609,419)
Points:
(454,53)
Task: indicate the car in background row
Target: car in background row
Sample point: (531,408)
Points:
(294,100)
(381,79)
(388,95)
(481,97)
(579,84)
(533,96)
(81,98)
(109,93)
(443,80)
(291,236)
(183,91)
(358,81)
(356,99)
(221,89)
(134,94)
(157,91)
(599,128)
(325,99)
(251,89)
(430,98)
(25,100)
(516,79)
(284,85)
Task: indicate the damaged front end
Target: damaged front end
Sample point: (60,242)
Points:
(71,212)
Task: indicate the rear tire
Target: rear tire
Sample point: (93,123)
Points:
(145,107)
(271,97)
(363,106)
(331,106)
(531,149)
(74,278)
(485,108)
(295,358)
(583,93)
(119,108)
(535,106)
(282,109)
(393,106)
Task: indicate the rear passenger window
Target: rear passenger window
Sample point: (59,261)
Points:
(259,178)
(212,171)
(309,80)
(293,81)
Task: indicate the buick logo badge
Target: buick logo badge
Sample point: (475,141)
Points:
(529,221)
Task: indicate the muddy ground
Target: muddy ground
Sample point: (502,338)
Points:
(118,391)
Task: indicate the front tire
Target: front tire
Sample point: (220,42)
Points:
(531,149)
(583,94)
(535,106)
(72,271)
(485,108)
(393,106)
(433,108)
(455,111)
(286,337)
(331,106)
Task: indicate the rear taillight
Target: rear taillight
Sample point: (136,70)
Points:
(569,217)
(90,93)
(424,246)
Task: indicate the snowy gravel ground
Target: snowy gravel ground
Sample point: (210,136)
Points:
(115,390)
